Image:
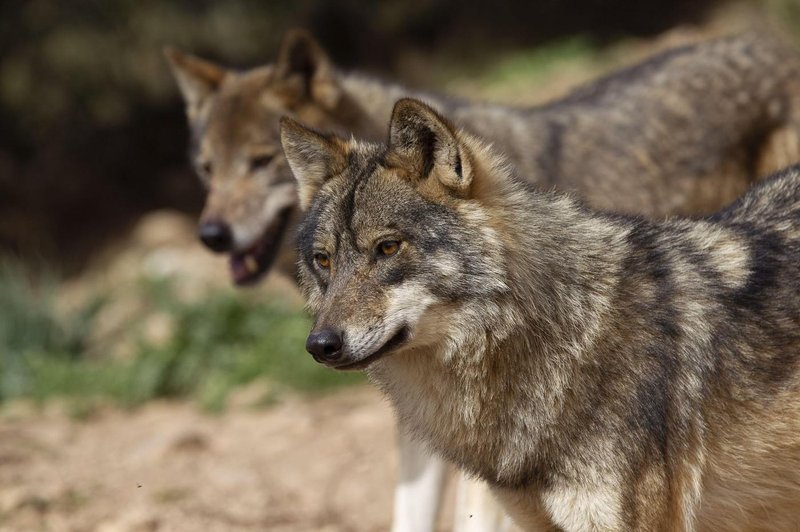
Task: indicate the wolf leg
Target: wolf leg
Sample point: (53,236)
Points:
(418,493)
(477,510)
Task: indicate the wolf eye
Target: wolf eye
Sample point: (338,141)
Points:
(387,248)
(257,163)
(322,260)
(205,168)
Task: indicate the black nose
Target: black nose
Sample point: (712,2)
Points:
(216,236)
(325,345)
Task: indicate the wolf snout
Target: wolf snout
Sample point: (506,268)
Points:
(216,235)
(325,345)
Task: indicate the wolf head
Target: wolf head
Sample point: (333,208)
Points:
(398,239)
(235,145)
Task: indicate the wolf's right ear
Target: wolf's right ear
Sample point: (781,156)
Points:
(313,157)
(197,78)
(304,72)
(428,145)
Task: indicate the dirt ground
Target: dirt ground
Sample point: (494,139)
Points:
(321,464)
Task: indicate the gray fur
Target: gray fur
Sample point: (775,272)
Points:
(602,372)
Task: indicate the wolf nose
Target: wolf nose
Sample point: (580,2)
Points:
(216,236)
(325,345)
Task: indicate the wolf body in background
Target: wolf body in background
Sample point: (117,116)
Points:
(599,371)
(682,132)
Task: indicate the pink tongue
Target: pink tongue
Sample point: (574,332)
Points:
(238,269)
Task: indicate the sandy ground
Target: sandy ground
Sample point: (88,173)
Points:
(321,464)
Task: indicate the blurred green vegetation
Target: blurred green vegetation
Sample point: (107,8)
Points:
(540,62)
(518,77)
(215,346)
(29,327)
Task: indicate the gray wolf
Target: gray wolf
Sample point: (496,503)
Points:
(600,371)
(683,132)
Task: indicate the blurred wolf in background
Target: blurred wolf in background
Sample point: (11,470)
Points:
(683,132)
(599,371)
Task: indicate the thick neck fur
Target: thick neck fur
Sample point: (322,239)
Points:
(460,395)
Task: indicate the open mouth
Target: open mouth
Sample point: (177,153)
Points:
(393,343)
(249,266)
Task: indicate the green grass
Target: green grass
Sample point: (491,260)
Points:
(227,341)
(223,342)
(538,64)
(525,70)
(29,326)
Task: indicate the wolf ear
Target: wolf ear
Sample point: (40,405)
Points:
(304,72)
(312,156)
(197,78)
(428,143)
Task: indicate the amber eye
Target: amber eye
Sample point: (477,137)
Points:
(257,163)
(387,248)
(322,260)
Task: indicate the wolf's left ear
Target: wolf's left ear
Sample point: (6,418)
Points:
(313,157)
(303,71)
(428,143)
(197,78)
